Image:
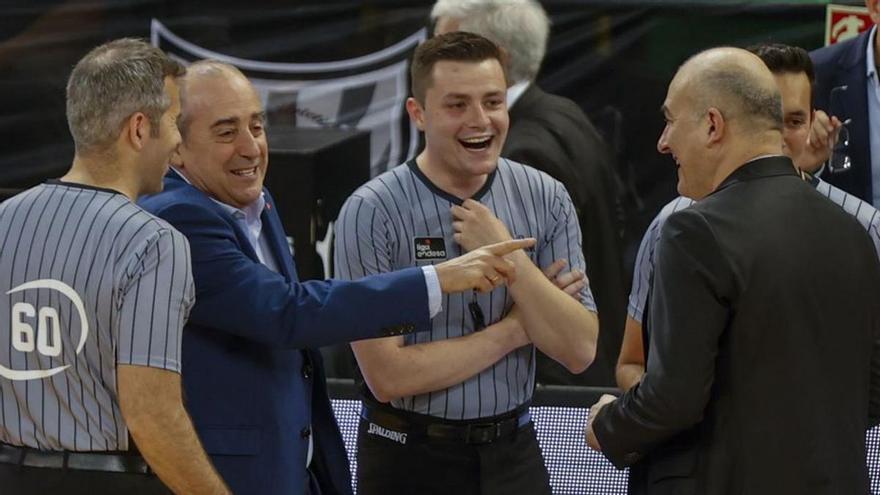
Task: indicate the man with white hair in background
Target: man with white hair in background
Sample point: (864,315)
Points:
(552,134)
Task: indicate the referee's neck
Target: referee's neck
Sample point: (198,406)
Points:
(103,173)
(459,183)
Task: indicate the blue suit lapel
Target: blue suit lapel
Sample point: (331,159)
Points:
(173,181)
(320,403)
(855,103)
(277,240)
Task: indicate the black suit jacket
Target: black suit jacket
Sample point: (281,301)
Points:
(552,134)
(764,369)
(844,64)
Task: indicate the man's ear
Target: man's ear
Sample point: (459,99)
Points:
(873,10)
(176,159)
(416,112)
(137,129)
(716,126)
(505,64)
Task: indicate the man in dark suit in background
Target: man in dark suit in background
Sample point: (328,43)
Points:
(552,134)
(254,385)
(851,66)
(764,325)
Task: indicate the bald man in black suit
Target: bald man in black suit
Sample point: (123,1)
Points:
(764,365)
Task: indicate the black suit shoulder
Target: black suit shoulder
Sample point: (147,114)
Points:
(845,52)
(553,135)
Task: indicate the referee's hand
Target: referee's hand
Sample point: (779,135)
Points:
(824,132)
(571,282)
(482,269)
(475,225)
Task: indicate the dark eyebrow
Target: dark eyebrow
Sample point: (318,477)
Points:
(235,120)
(465,96)
(225,121)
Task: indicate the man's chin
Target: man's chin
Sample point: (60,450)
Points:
(681,190)
(247,198)
(484,166)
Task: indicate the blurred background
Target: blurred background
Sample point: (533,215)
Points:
(333,76)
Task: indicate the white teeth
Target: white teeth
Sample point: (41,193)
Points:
(246,172)
(477,140)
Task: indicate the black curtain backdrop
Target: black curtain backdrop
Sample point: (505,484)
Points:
(615,58)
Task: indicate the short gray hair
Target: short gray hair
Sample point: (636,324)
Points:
(112,82)
(520,27)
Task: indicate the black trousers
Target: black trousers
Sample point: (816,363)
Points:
(509,465)
(22,480)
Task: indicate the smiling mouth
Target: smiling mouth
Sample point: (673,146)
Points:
(477,143)
(245,172)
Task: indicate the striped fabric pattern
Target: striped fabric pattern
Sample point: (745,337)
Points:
(83,263)
(866,215)
(382,222)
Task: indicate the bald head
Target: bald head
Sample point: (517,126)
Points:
(199,74)
(738,84)
(722,110)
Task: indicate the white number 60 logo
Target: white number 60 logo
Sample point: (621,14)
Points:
(48,324)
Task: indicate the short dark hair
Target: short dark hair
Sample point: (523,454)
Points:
(781,58)
(457,46)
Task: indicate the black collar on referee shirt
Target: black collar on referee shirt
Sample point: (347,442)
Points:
(443,194)
(59,182)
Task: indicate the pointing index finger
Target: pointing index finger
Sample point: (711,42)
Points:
(505,247)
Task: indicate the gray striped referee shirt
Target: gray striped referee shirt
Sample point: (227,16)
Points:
(400,219)
(866,214)
(88,280)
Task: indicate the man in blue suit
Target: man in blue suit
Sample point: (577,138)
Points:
(254,388)
(853,63)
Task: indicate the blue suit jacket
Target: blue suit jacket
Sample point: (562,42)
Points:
(836,65)
(253,388)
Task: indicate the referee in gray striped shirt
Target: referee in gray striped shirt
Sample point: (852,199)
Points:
(447,410)
(95,294)
(793,70)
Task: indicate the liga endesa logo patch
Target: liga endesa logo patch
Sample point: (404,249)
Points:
(429,248)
